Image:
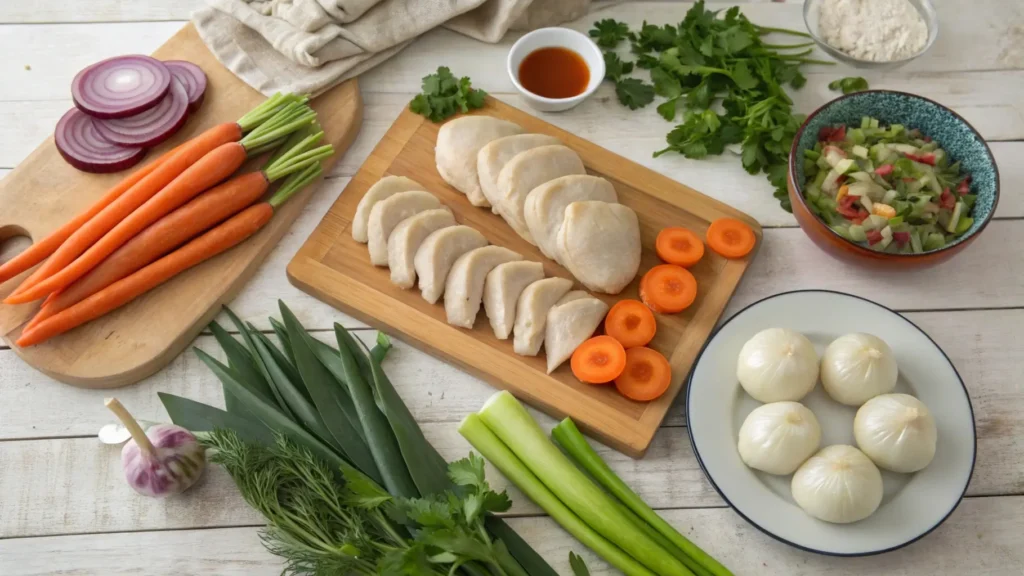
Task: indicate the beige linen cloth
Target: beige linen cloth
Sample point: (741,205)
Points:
(310,45)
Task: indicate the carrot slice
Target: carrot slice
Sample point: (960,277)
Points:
(631,323)
(647,375)
(598,360)
(668,289)
(731,238)
(679,246)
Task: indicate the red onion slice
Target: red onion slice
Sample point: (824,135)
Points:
(152,126)
(121,86)
(83,147)
(193,78)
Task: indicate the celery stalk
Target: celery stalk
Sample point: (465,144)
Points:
(511,423)
(495,451)
(572,441)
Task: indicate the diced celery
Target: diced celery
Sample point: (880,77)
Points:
(865,122)
(904,168)
(954,218)
(943,219)
(914,187)
(930,147)
(883,244)
(856,232)
(823,163)
(856,135)
(874,123)
(895,221)
(811,191)
(915,242)
(810,168)
(842,230)
(934,241)
(903,208)
(963,225)
(866,202)
(860,151)
(895,128)
(889,197)
(820,177)
(886,232)
(844,165)
(879,153)
(875,222)
(811,154)
(831,182)
(941,158)
(968,200)
(826,204)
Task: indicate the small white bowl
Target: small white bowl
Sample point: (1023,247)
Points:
(562,38)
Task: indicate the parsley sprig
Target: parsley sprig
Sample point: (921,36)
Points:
(444,96)
(632,92)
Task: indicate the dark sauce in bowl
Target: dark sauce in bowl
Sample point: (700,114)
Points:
(554,72)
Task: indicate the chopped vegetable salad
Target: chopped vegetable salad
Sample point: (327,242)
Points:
(887,188)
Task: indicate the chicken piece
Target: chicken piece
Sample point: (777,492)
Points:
(493,157)
(388,213)
(384,188)
(502,288)
(599,243)
(406,238)
(438,252)
(569,323)
(464,288)
(532,313)
(544,209)
(458,142)
(527,170)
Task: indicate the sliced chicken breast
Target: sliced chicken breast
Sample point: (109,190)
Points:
(569,324)
(458,142)
(406,238)
(544,209)
(493,157)
(438,252)
(384,188)
(599,243)
(532,313)
(527,170)
(388,213)
(502,288)
(464,288)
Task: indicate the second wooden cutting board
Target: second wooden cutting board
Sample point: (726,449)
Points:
(335,268)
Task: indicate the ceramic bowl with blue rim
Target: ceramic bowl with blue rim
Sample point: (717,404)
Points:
(958,138)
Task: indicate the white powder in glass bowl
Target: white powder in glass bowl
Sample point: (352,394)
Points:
(875,30)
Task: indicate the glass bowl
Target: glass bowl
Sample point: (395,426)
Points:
(924,8)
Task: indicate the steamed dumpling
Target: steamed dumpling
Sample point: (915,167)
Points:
(464,289)
(438,252)
(532,313)
(777,365)
(599,243)
(406,238)
(384,188)
(502,288)
(527,170)
(458,142)
(570,322)
(493,157)
(544,209)
(388,213)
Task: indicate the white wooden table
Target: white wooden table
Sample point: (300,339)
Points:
(64,507)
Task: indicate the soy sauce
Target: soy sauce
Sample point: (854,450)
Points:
(554,72)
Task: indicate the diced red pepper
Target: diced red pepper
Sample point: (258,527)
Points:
(901,238)
(884,170)
(861,217)
(928,158)
(947,200)
(874,237)
(830,134)
(927,138)
(964,187)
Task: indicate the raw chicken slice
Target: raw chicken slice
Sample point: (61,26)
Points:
(527,170)
(532,313)
(569,324)
(493,157)
(385,187)
(599,243)
(458,142)
(502,288)
(388,213)
(438,252)
(464,288)
(406,238)
(544,209)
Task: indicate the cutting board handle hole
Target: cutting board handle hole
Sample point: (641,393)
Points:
(13,240)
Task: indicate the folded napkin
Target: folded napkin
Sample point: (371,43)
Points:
(311,45)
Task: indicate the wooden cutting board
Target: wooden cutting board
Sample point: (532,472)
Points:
(137,340)
(335,268)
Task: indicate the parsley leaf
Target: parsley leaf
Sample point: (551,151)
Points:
(444,95)
(666,85)
(634,93)
(608,33)
(849,84)
(614,67)
(579,567)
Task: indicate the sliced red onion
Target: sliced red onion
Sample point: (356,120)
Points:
(81,145)
(193,78)
(151,127)
(121,86)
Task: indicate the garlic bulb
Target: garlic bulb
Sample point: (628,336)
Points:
(896,431)
(838,484)
(162,461)
(857,367)
(776,438)
(777,364)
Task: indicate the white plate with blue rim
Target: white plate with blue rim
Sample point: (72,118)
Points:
(913,504)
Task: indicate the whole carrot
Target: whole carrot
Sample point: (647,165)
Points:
(259,121)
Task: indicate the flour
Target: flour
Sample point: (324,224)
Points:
(876,30)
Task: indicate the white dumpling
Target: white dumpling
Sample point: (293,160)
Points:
(438,252)
(388,213)
(464,288)
(406,238)
(527,170)
(532,313)
(493,157)
(502,288)
(838,484)
(458,142)
(384,188)
(570,322)
(544,209)
(599,243)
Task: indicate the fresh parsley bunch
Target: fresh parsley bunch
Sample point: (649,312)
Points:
(444,96)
